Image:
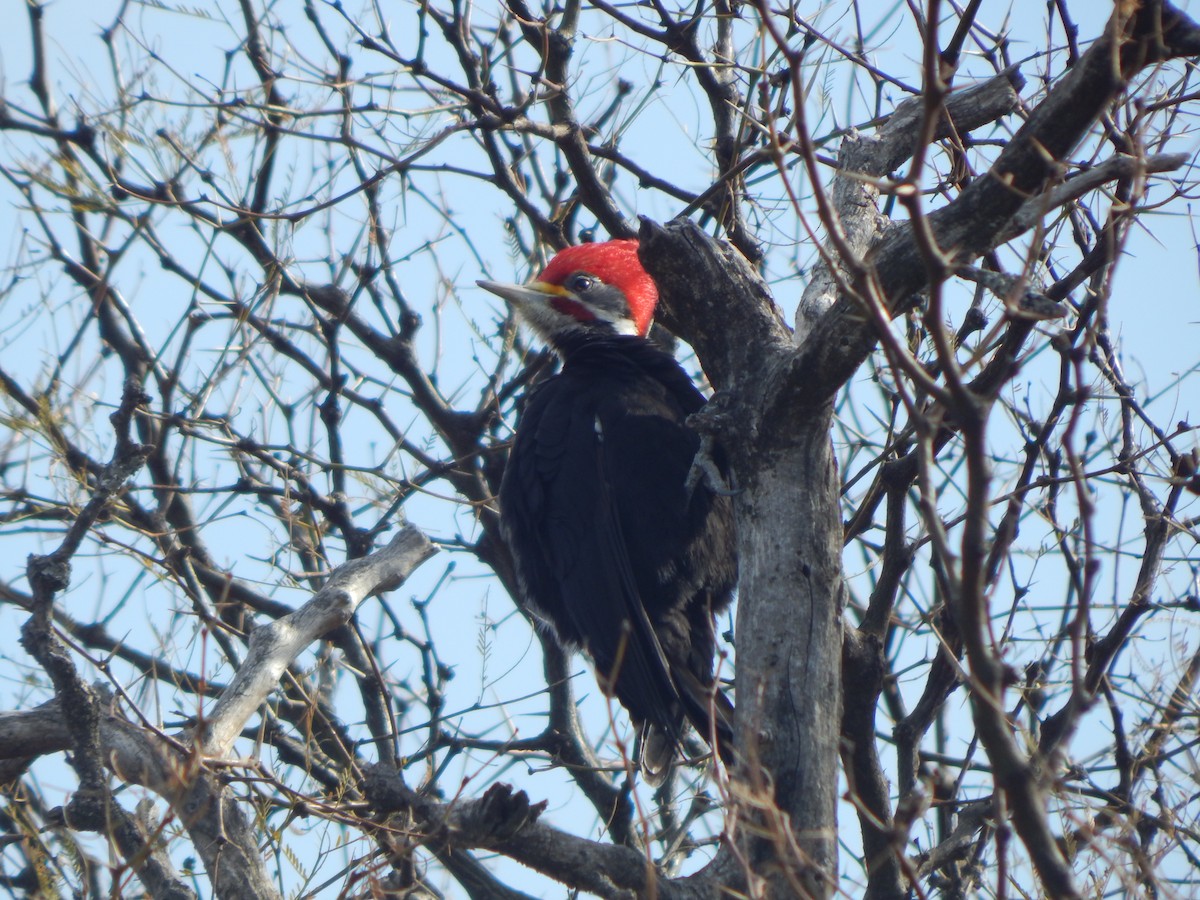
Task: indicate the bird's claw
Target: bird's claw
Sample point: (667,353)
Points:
(705,470)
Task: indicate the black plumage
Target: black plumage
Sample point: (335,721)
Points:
(613,547)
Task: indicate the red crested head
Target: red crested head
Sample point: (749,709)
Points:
(615,263)
(586,292)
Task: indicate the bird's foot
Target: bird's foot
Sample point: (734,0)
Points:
(704,470)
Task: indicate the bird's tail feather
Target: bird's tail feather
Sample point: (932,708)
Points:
(656,754)
(709,711)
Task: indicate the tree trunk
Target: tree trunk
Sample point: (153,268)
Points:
(782,823)
(789,640)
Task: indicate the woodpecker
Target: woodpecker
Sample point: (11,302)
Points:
(614,547)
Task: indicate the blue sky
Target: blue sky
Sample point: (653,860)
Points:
(1155,300)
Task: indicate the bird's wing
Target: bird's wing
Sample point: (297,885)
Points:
(643,671)
(564,523)
(567,469)
(659,522)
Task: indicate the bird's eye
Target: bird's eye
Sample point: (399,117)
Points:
(581,284)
